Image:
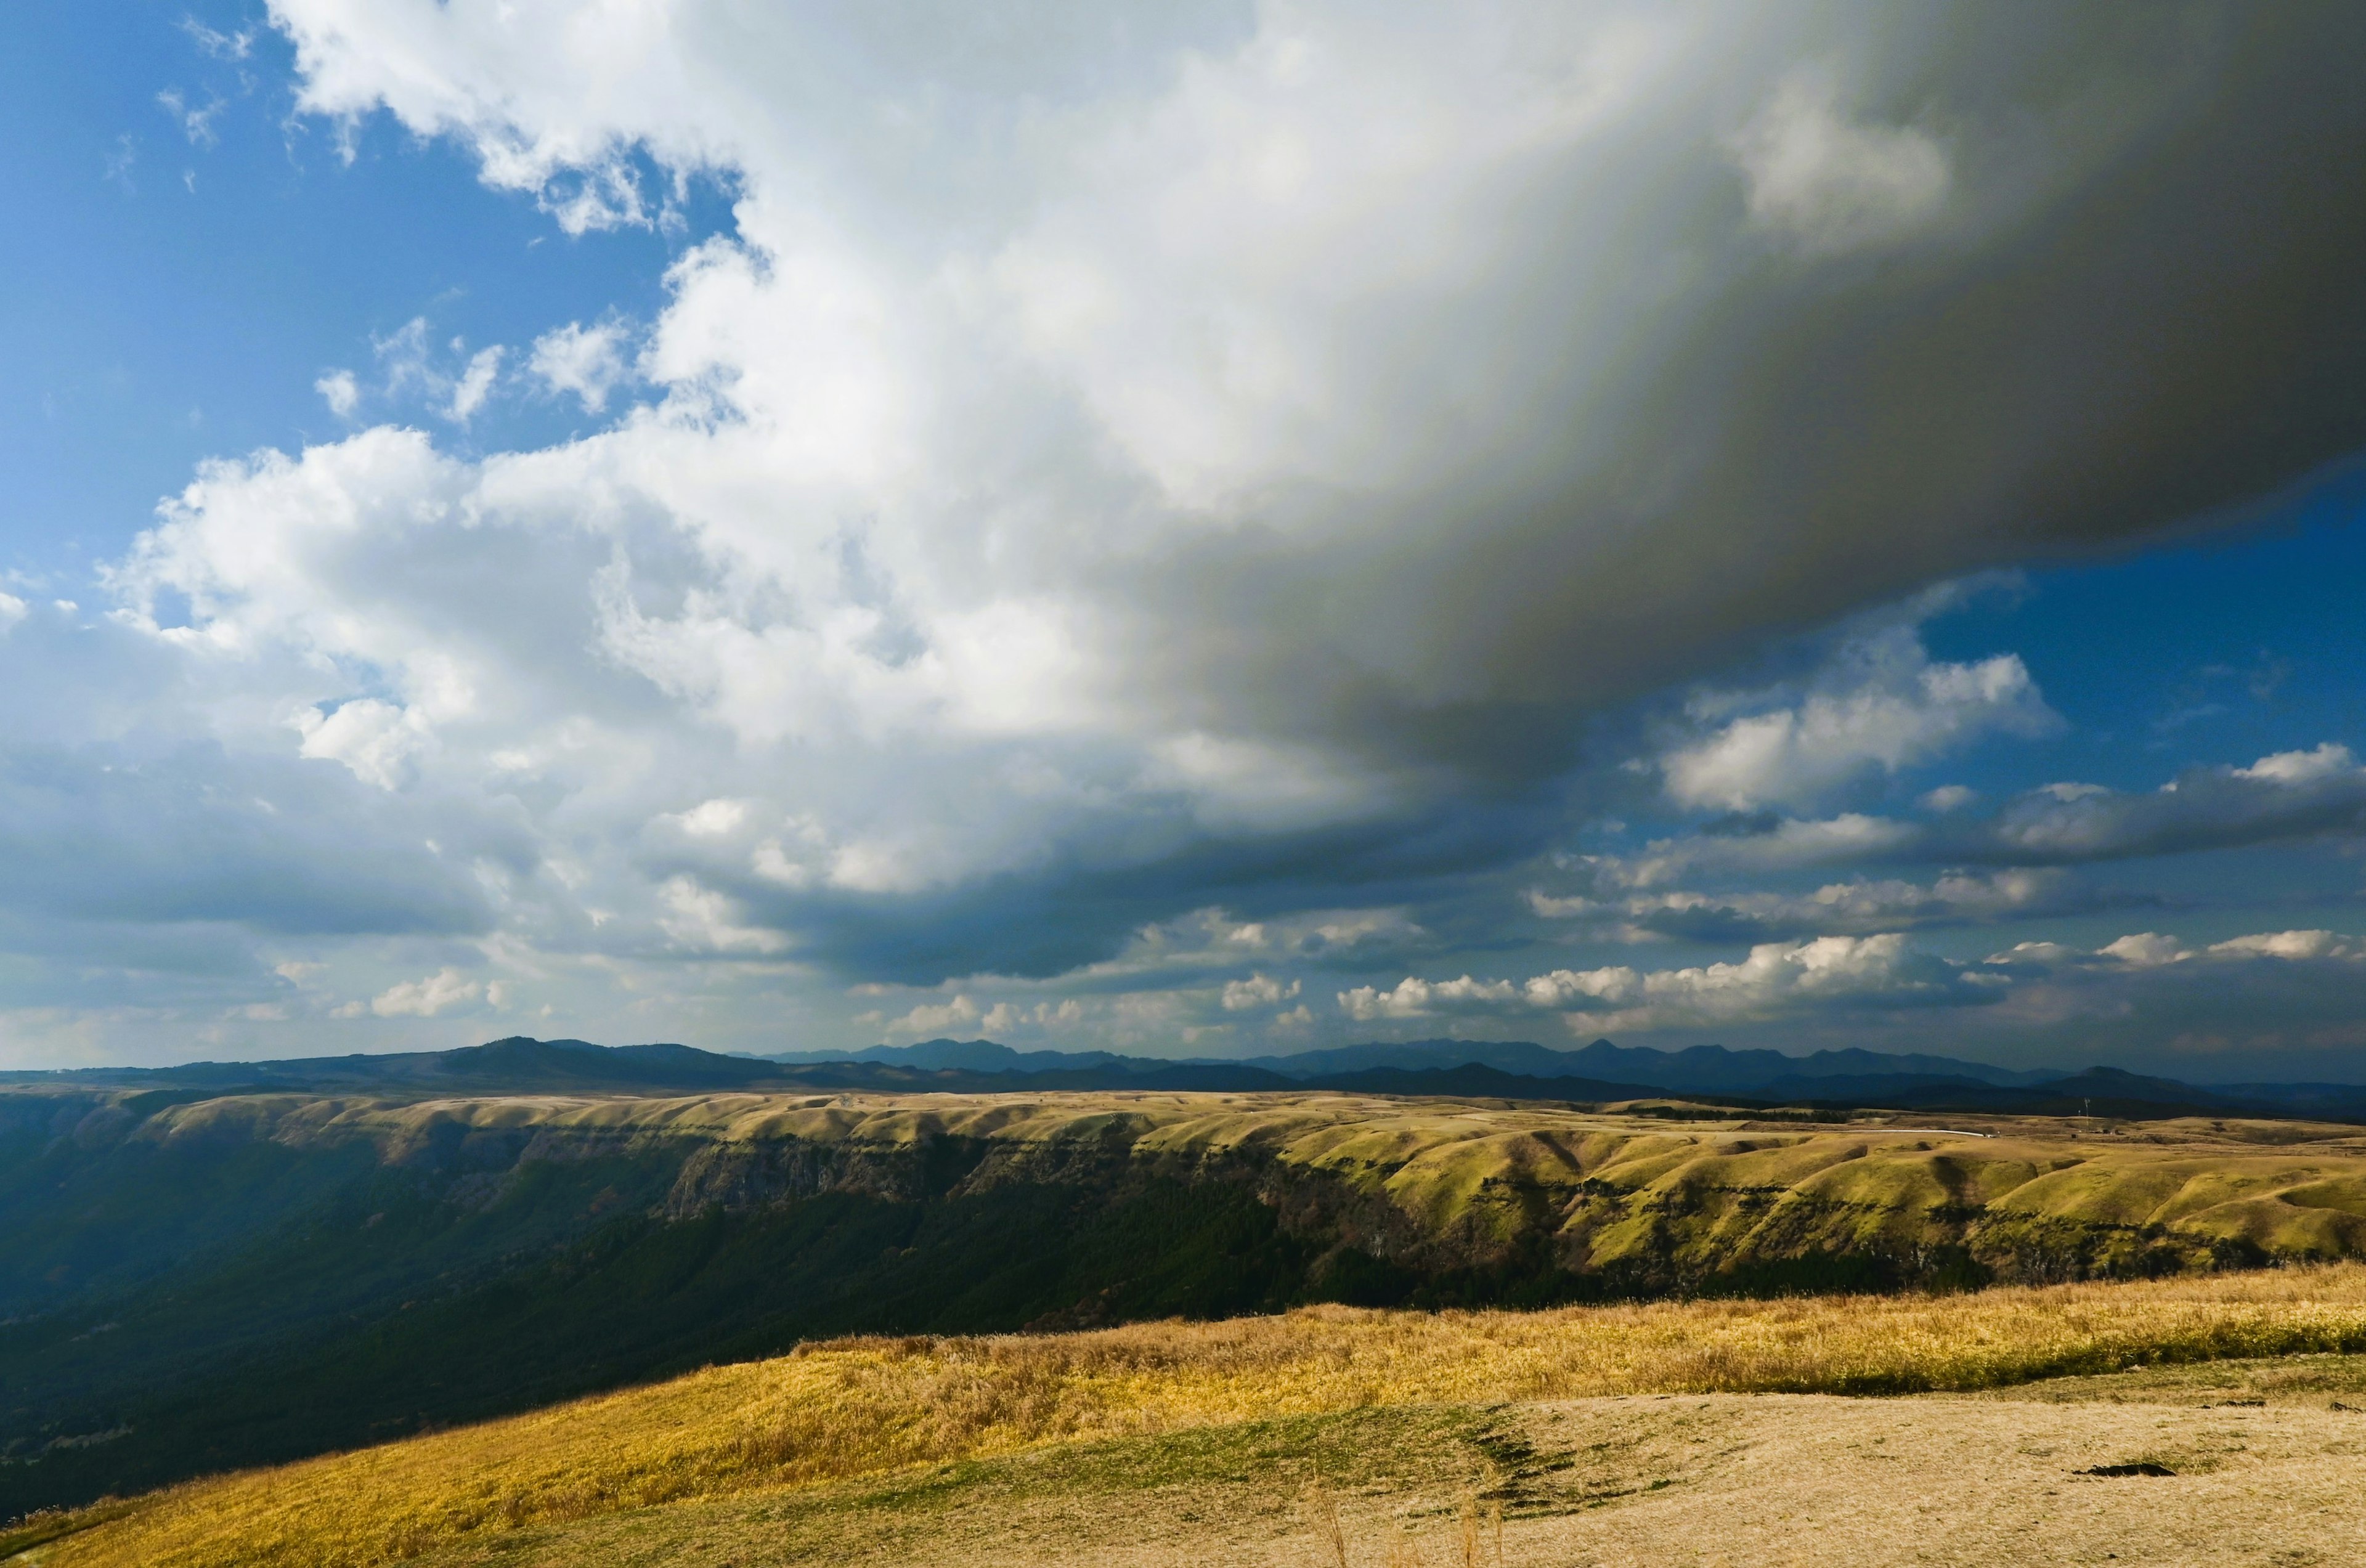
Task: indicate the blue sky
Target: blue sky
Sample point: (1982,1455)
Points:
(186,282)
(1191,535)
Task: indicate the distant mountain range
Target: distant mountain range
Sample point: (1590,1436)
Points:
(1598,1072)
(1521,1070)
(1705,1069)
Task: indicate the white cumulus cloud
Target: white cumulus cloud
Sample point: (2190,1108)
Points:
(474,383)
(1776,978)
(938,1017)
(1882,703)
(340,391)
(586,362)
(374,739)
(1862,906)
(1258,991)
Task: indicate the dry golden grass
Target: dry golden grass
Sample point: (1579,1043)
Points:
(865,1407)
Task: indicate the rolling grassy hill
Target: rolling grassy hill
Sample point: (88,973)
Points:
(749,1464)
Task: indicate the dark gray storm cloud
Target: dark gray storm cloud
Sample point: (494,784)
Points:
(2293,795)
(2133,310)
(2018,861)
(192,835)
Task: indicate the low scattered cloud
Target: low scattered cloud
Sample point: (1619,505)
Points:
(1824,975)
(441,992)
(587,363)
(1756,845)
(1829,977)
(340,391)
(1859,907)
(1880,704)
(935,1018)
(196,122)
(714,818)
(233,46)
(1829,183)
(475,384)
(415,370)
(374,739)
(121,160)
(2286,796)
(705,920)
(1258,991)
(2150,950)
(1210,943)
(2280,798)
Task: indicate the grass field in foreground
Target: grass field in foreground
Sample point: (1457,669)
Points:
(857,1408)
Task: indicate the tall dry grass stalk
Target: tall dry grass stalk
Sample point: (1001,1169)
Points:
(1327,1525)
(860,1406)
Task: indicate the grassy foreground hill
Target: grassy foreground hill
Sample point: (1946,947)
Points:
(198,1284)
(1430,1435)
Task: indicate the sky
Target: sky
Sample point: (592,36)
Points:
(1195,531)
